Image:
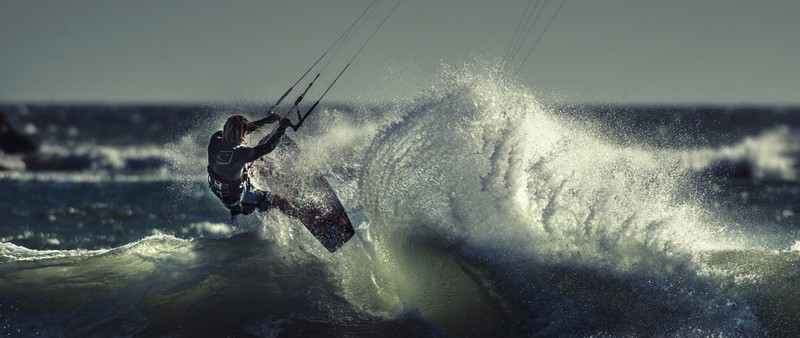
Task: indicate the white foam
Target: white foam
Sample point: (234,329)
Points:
(19,253)
(770,155)
(210,228)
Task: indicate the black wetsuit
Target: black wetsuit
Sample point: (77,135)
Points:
(227,169)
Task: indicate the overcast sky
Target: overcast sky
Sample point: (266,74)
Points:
(602,51)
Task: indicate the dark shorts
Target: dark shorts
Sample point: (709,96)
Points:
(256,199)
(252,200)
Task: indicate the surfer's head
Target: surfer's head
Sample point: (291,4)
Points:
(236,129)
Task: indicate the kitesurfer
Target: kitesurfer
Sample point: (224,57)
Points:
(229,160)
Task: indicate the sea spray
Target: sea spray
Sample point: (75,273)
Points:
(483,153)
(481,170)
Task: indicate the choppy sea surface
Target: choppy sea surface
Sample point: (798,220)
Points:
(479,211)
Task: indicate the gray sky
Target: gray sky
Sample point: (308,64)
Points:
(602,51)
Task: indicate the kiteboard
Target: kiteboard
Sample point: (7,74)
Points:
(325,217)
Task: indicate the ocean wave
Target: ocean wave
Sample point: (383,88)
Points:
(771,155)
(97,158)
(10,252)
(561,227)
(162,285)
(97,163)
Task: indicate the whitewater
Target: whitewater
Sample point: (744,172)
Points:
(479,211)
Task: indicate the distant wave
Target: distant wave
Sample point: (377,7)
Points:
(89,162)
(770,155)
(97,158)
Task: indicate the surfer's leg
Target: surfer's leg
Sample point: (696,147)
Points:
(265,200)
(255,199)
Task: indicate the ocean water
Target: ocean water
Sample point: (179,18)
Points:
(479,211)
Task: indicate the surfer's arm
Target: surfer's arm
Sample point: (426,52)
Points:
(274,137)
(271,118)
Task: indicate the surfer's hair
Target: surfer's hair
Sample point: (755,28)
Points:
(236,128)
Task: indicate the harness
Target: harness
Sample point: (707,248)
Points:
(230,193)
